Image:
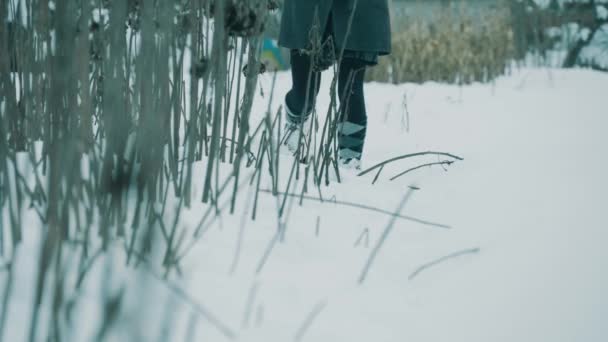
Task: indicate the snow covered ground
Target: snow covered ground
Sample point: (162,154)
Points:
(531,194)
(526,207)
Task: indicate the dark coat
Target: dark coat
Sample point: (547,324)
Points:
(370,29)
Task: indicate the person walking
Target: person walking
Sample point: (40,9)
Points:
(316,32)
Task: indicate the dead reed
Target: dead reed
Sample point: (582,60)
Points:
(452,47)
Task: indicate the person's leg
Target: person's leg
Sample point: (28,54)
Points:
(305,87)
(353,116)
(306,75)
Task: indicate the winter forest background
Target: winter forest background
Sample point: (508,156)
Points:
(144,194)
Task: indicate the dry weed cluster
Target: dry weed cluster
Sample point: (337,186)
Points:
(450,47)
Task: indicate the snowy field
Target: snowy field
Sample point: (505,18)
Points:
(518,252)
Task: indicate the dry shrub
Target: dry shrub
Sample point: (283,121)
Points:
(449,47)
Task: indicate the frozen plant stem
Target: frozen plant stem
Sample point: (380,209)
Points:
(387,231)
(370,208)
(364,234)
(268,250)
(309,320)
(198,308)
(249,307)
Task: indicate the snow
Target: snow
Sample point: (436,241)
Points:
(530,195)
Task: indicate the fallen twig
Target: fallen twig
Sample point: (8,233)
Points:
(442,259)
(388,161)
(445,162)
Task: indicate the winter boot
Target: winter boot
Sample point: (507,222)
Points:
(296,135)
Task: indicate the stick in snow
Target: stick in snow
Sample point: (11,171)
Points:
(442,259)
